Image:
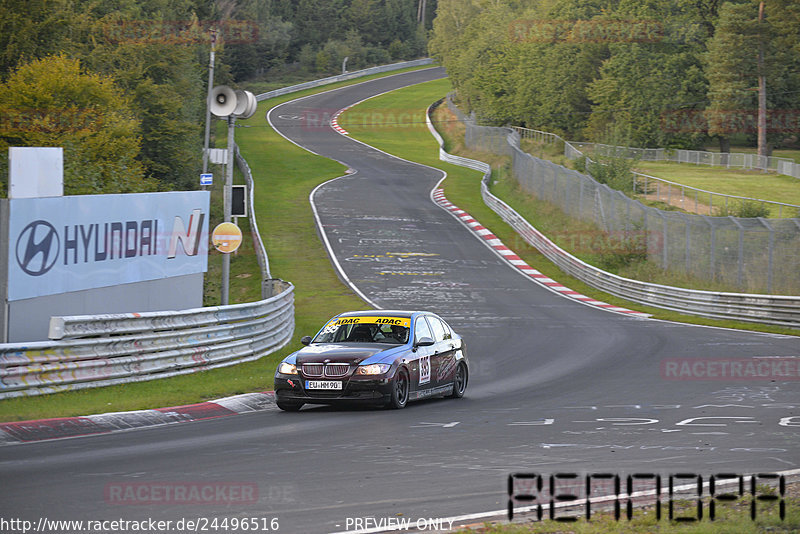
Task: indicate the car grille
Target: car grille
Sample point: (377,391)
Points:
(336,369)
(331,370)
(312,369)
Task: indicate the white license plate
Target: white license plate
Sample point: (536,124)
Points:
(323,384)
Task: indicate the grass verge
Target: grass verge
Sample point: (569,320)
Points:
(752,184)
(411,140)
(284,175)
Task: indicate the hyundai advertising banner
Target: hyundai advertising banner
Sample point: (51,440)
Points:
(64,244)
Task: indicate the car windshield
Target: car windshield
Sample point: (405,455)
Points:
(393,330)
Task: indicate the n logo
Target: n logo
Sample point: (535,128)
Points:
(190,240)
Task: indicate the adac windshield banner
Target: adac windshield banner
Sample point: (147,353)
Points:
(64,244)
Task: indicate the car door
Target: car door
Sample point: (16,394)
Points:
(422,372)
(444,353)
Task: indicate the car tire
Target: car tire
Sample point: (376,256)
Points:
(460,380)
(289,406)
(400,390)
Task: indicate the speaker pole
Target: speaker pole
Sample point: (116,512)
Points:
(208,100)
(226,258)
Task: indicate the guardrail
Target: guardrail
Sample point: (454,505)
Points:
(102,350)
(343,77)
(258,244)
(767,309)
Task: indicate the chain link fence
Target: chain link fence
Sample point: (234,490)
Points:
(734,160)
(752,255)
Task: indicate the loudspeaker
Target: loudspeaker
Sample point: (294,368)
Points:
(241,103)
(223,101)
(245,104)
(252,105)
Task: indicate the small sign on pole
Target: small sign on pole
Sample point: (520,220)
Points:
(239,201)
(206,178)
(226,237)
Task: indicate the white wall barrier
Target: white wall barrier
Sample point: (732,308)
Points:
(767,309)
(101,350)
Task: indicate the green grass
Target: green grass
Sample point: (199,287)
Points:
(284,175)
(753,184)
(462,186)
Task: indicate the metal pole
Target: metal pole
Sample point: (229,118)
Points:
(226,258)
(762,88)
(208,101)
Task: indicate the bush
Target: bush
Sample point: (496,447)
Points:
(746,209)
(616,172)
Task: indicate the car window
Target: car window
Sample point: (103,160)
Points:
(448,332)
(438,329)
(421,329)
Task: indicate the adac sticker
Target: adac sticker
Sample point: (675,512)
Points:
(401,321)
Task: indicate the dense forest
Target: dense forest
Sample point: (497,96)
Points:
(649,73)
(121,84)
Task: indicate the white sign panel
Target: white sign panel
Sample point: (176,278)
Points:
(59,245)
(35,172)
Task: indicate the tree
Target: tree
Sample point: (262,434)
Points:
(53,102)
(733,68)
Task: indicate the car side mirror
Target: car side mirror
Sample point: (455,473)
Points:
(424,342)
(305,340)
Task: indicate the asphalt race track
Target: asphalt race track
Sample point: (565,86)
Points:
(556,386)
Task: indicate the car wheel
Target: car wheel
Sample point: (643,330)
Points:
(289,406)
(400,389)
(460,382)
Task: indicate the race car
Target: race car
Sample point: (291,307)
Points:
(377,357)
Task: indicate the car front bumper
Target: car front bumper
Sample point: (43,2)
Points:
(291,388)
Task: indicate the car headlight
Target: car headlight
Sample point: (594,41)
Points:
(287,368)
(374,369)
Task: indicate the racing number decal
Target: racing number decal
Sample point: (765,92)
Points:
(424,370)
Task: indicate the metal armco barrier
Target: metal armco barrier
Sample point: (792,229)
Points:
(258,244)
(343,77)
(767,309)
(102,350)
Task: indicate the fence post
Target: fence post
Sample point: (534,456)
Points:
(740,266)
(712,252)
(771,247)
(664,235)
(688,245)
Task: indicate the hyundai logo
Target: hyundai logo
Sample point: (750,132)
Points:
(37,248)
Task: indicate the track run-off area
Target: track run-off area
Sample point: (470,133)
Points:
(556,386)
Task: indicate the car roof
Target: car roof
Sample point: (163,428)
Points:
(390,313)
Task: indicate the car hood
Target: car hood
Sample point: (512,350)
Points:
(340,353)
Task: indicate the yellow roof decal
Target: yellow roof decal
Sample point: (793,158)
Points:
(402,321)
